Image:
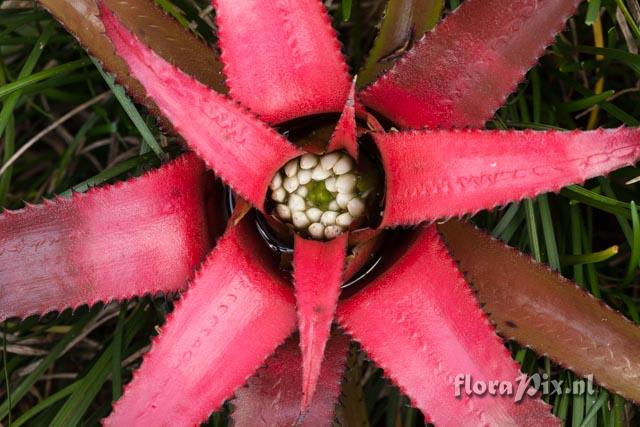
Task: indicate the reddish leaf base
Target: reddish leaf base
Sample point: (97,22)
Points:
(535,306)
(143,236)
(234,315)
(420,322)
(318,268)
(272,397)
(301,70)
(242,151)
(360,255)
(344,135)
(460,73)
(440,174)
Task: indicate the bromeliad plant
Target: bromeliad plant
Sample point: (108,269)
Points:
(417,317)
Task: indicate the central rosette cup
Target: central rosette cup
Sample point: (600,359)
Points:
(320,196)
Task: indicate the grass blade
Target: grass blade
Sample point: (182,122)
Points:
(24,386)
(635,248)
(589,258)
(548,232)
(116,363)
(132,112)
(23,83)
(532,229)
(75,407)
(45,403)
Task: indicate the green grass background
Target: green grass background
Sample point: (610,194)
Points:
(66,369)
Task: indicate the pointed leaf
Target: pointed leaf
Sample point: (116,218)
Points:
(317,268)
(439,174)
(138,237)
(541,309)
(404,22)
(244,152)
(344,136)
(353,404)
(170,40)
(153,26)
(222,329)
(273,396)
(460,73)
(420,322)
(300,70)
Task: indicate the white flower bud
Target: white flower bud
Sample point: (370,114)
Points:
(328,160)
(276,182)
(356,207)
(308,161)
(290,184)
(290,188)
(332,231)
(291,168)
(316,230)
(314,214)
(300,220)
(346,183)
(343,199)
(302,191)
(330,183)
(320,174)
(342,166)
(283,212)
(296,203)
(328,217)
(304,176)
(344,220)
(279,195)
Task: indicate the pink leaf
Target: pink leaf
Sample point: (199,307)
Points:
(300,71)
(459,74)
(345,136)
(155,28)
(240,149)
(138,237)
(420,322)
(233,316)
(273,396)
(439,174)
(318,268)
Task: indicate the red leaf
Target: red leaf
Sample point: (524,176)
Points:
(233,316)
(345,136)
(460,74)
(272,397)
(244,152)
(539,308)
(439,174)
(318,268)
(156,29)
(138,237)
(420,322)
(300,70)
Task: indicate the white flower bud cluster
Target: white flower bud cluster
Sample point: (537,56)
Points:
(291,188)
